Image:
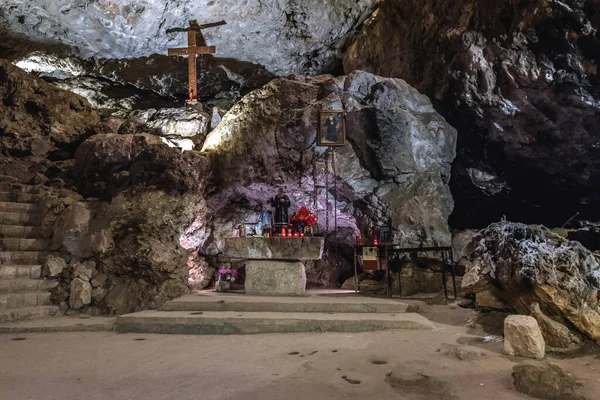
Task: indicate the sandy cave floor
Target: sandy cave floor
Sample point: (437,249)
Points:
(423,365)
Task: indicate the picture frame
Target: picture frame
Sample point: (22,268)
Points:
(332,128)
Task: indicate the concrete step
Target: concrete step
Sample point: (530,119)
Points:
(235,323)
(8,286)
(27,313)
(16,187)
(18,197)
(319,304)
(19,207)
(20,271)
(23,257)
(19,218)
(13,244)
(19,231)
(23,300)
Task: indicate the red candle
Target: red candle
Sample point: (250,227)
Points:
(290,234)
(358,240)
(296,235)
(283,230)
(302,234)
(375,241)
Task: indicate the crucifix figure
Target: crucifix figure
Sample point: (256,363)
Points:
(192,51)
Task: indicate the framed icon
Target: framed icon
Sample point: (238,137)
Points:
(332,128)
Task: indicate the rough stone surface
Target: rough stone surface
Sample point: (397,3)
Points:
(397,159)
(54,266)
(545,381)
(183,127)
(530,264)
(85,270)
(71,230)
(286,37)
(518,80)
(99,280)
(273,278)
(487,299)
(80,294)
(36,118)
(274,248)
(201,274)
(523,338)
(556,335)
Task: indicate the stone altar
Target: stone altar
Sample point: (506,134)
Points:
(275,265)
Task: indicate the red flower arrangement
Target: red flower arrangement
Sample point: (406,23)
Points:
(305,216)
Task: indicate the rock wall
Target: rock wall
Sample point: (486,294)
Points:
(519,81)
(36,118)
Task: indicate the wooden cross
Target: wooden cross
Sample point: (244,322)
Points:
(192,51)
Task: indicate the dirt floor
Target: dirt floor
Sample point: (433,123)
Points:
(458,360)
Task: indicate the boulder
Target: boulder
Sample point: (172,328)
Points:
(275,278)
(544,380)
(84,271)
(201,274)
(54,266)
(530,264)
(81,293)
(71,230)
(118,298)
(558,338)
(99,293)
(523,338)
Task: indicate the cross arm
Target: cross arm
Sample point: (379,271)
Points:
(186,51)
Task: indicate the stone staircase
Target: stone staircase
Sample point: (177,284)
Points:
(211,314)
(23,292)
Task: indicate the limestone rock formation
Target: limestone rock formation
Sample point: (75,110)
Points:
(37,118)
(518,80)
(533,265)
(286,36)
(523,337)
(183,127)
(396,162)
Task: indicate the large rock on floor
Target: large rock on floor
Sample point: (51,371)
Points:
(529,265)
(275,278)
(519,81)
(545,381)
(523,338)
(37,118)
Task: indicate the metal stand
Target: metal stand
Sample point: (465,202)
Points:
(383,253)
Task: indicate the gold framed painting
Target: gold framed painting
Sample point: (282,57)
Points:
(332,128)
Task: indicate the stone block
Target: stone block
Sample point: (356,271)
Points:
(523,337)
(54,266)
(275,278)
(258,248)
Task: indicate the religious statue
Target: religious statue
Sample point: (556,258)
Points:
(281,202)
(331,125)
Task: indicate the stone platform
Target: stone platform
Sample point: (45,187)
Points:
(274,266)
(210,313)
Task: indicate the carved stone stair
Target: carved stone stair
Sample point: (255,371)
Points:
(23,292)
